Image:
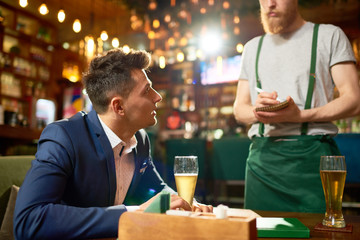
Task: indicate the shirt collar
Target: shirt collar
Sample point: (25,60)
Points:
(115,140)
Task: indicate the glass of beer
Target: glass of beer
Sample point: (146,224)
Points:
(186,171)
(333,174)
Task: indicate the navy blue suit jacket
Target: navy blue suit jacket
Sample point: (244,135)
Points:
(69,191)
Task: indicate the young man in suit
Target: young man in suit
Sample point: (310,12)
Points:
(91,168)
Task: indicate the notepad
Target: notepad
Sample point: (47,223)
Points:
(281,227)
(160,204)
(273,108)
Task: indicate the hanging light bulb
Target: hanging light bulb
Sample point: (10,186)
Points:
(156,23)
(61,15)
(236,19)
(23,3)
(104,36)
(126,49)
(167,18)
(171,41)
(199,54)
(239,47)
(162,62)
(43,9)
(183,41)
(182,14)
(77,26)
(151,35)
(90,47)
(180,57)
(100,45)
(82,47)
(226,5)
(219,65)
(152,5)
(115,42)
(236,30)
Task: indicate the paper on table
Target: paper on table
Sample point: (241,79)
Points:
(281,227)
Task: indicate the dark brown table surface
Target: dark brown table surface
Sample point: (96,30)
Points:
(311,219)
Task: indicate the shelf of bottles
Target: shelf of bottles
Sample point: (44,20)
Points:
(25,59)
(349,125)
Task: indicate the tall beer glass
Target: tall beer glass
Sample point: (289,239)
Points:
(186,172)
(333,174)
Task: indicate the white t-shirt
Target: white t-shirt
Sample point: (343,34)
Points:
(284,66)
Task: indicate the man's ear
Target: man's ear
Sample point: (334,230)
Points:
(117,105)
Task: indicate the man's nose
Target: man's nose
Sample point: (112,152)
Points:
(271,3)
(158,97)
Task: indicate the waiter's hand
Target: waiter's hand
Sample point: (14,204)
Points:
(291,113)
(266,99)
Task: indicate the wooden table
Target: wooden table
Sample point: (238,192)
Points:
(311,219)
(308,219)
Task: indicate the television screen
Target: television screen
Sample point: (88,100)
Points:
(220,70)
(45,112)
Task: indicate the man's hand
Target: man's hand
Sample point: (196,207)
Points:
(176,202)
(198,207)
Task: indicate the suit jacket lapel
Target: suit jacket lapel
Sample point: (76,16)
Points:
(104,151)
(141,159)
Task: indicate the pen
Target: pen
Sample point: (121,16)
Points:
(259,90)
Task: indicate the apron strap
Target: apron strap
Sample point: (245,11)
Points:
(258,83)
(312,77)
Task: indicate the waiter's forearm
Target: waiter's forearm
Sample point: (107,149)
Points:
(244,113)
(342,107)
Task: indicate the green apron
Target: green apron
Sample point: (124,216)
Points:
(282,173)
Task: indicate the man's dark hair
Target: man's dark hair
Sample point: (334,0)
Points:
(110,74)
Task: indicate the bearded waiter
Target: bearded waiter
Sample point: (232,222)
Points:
(300,62)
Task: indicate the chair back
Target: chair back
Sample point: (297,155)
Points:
(12,172)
